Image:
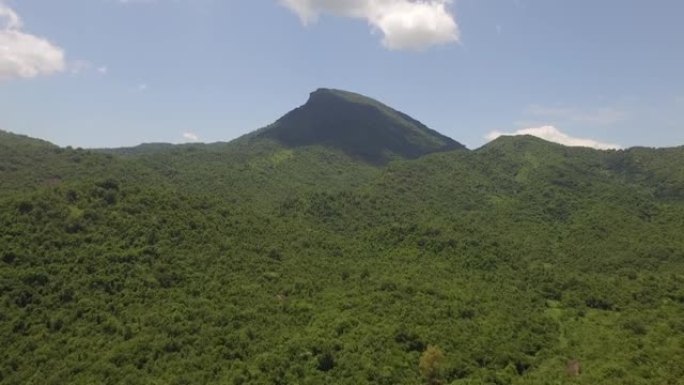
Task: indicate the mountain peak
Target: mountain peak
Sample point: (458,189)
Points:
(519,141)
(358,125)
(327,94)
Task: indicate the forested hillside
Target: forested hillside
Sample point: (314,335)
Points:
(268,261)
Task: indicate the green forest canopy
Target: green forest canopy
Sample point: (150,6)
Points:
(254,262)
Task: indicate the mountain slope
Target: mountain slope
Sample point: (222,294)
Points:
(360,126)
(27,164)
(10,140)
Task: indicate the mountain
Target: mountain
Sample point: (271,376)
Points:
(9,140)
(265,262)
(27,164)
(359,126)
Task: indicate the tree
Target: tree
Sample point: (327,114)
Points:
(430,364)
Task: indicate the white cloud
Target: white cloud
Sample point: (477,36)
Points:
(552,134)
(404,24)
(142,87)
(11,19)
(103,70)
(23,55)
(191,137)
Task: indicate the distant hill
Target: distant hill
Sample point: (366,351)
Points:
(359,126)
(9,140)
(144,148)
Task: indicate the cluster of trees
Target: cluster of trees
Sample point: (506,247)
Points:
(519,263)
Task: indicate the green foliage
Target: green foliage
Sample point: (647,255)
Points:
(254,263)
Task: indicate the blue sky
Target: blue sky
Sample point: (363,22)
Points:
(104,73)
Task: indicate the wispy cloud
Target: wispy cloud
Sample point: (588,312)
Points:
(404,24)
(23,55)
(552,134)
(9,17)
(78,67)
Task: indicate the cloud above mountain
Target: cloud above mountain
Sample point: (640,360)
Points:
(552,134)
(23,55)
(404,24)
(190,137)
